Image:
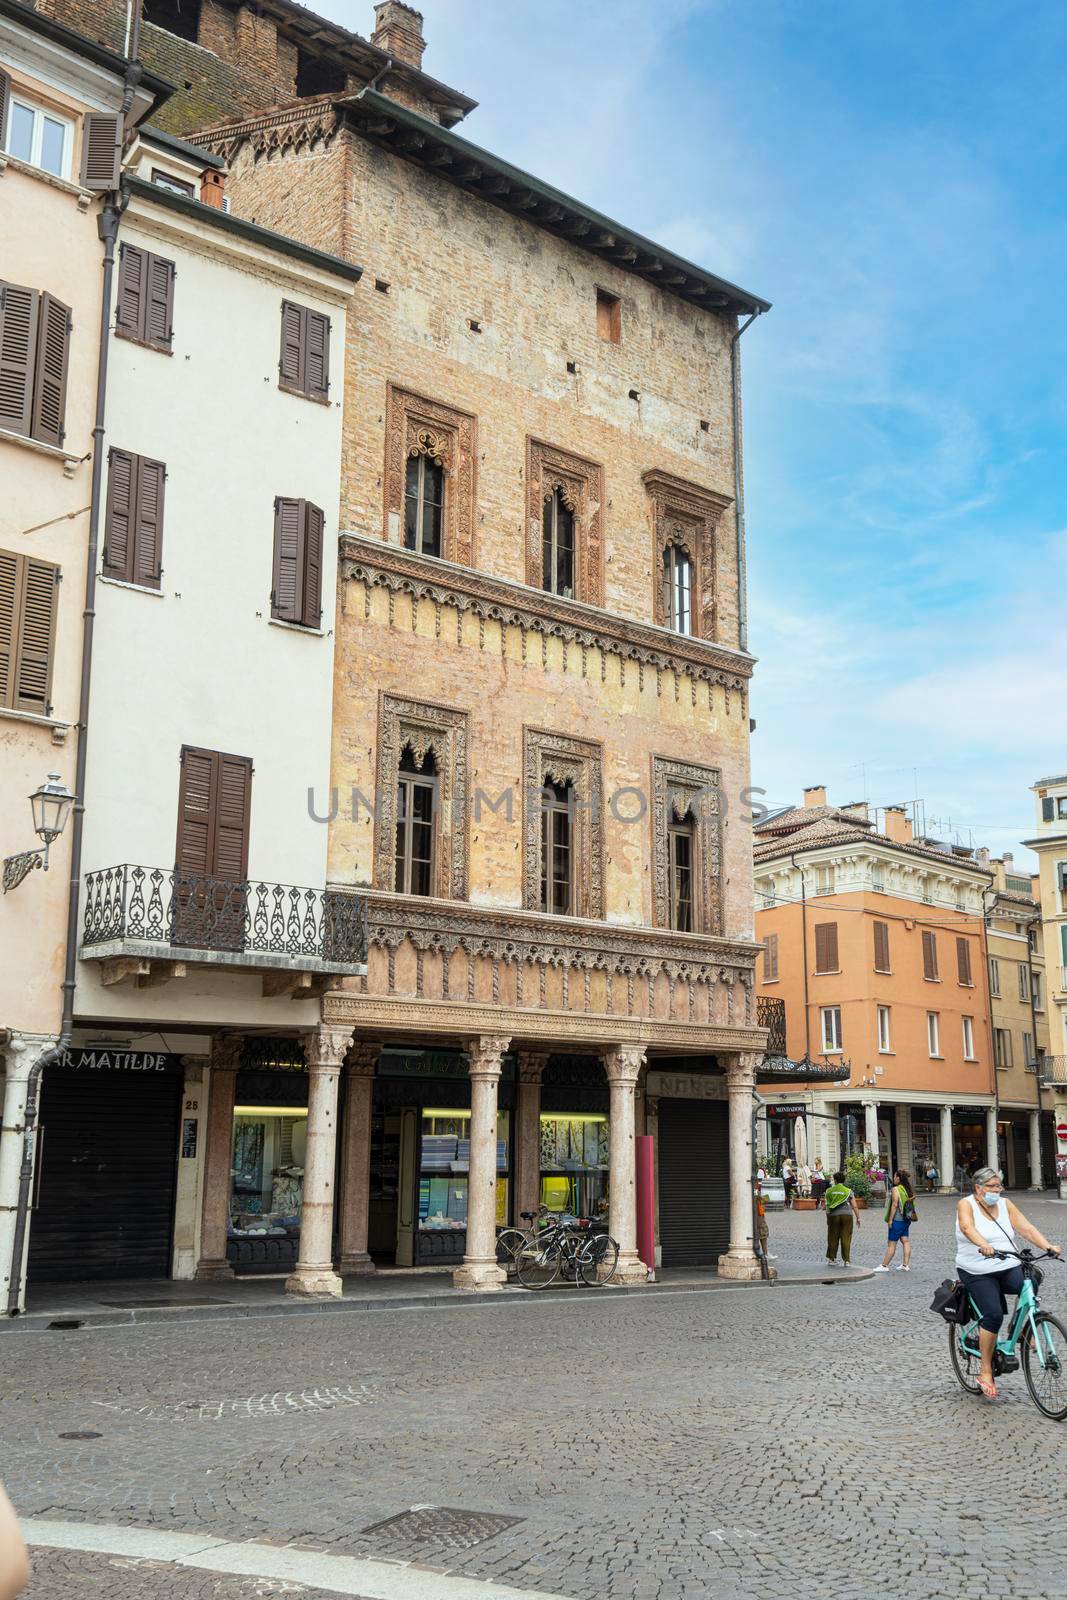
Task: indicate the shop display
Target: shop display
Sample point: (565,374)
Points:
(267,1184)
(575,1161)
(444,1167)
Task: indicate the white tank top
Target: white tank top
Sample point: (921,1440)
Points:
(1002,1237)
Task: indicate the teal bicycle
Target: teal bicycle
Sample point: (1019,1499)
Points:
(1036,1340)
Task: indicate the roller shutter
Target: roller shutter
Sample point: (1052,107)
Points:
(109,1150)
(694,1182)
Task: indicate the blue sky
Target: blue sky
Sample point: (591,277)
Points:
(891,176)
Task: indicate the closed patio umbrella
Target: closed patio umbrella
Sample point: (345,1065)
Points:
(800,1141)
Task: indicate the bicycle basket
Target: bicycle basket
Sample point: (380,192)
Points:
(950,1302)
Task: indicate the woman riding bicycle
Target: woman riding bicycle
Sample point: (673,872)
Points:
(985,1223)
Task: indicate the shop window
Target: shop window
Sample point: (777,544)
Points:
(575,1160)
(557,849)
(416,800)
(180,17)
(444,1172)
(267,1183)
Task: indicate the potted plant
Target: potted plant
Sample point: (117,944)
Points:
(858,1178)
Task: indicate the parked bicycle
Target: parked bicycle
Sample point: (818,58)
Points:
(557,1247)
(1035,1338)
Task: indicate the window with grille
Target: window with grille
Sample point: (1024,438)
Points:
(415,817)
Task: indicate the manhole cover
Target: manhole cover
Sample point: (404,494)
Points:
(87,1434)
(439,1527)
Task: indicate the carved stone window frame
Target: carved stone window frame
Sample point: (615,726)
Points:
(559,758)
(581,483)
(688,515)
(679,787)
(424,725)
(417,425)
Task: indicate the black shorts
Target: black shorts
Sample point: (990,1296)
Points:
(988,1291)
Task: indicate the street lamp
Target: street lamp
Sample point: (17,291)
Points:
(50,806)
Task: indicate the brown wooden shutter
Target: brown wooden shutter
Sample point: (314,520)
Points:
(5,106)
(50,372)
(196,812)
(963,960)
(159,313)
(36,636)
(826,947)
(317,356)
(291,362)
(132,291)
(312,585)
(9,592)
(929,955)
(118,521)
(232,817)
(285,600)
(18,345)
(147,551)
(770,957)
(101,150)
(881,947)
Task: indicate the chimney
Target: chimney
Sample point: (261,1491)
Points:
(398,31)
(815,796)
(858,809)
(212,185)
(897,825)
(1009,860)
(983,857)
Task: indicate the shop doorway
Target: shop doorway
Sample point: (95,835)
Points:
(694,1182)
(106,1174)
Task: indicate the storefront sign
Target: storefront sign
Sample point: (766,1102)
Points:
(791,1110)
(686,1086)
(121,1061)
(429,1064)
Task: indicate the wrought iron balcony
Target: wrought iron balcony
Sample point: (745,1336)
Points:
(146,922)
(1053,1071)
(770,1014)
(776,1066)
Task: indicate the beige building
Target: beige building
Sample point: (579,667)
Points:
(60,95)
(1050,846)
(1019,1020)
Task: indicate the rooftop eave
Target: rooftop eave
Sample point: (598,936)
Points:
(394,127)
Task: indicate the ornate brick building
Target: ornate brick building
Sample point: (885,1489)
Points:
(541,724)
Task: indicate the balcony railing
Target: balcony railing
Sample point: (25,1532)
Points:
(150,911)
(776,1065)
(770,1014)
(1054,1070)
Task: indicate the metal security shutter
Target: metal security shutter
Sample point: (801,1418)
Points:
(108,1171)
(694,1182)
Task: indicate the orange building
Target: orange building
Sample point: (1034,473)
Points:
(875,941)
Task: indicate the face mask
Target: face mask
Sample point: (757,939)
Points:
(990,1197)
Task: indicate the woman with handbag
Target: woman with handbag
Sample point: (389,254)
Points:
(900,1213)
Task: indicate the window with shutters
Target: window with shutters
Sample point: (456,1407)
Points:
(930,971)
(831,1029)
(963,962)
(994,977)
(933,1033)
(1002,1047)
(101,150)
(37,136)
(133,525)
(1024,982)
(29,599)
(304,363)
(881,947)
(296,592)
(144,303)
(35,332)
(826,953)
(770,958)
(1039,999)
(416,811)
(211,853)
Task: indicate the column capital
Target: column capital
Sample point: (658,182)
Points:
(484,1055)
(226,1052)
(361,1058)
(623,1063)
(193,1066)
(741,1069)
(530,1065)
(325,1049)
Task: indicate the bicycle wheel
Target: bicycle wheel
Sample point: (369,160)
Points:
(537,1263)
(598,1259)
(508,1244)
(1043,1366)
(965,1365)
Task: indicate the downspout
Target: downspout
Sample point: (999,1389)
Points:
(107,227)
(804,940)
(1033,1039)
(739,510)
(992,1048)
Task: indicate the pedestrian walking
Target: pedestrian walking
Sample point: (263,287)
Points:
(931,1177)
(842,1213)
(900,1213)
(14,1566)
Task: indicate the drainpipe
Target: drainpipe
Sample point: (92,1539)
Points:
(107,227)
(739,511)
(1034,1177)
(992,1046)
(804,938)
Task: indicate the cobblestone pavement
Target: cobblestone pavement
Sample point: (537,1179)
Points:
(730,1443)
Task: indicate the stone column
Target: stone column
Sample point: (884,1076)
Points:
(218,1157)
(19,1057)
(992,1145)
(623,1067)
(360,1064)
(526,1134)
(740,1260)
(947,1162)
(480,1270)
(314,1274)
(1035,1151)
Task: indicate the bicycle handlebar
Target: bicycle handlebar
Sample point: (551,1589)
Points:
(1028,1255)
